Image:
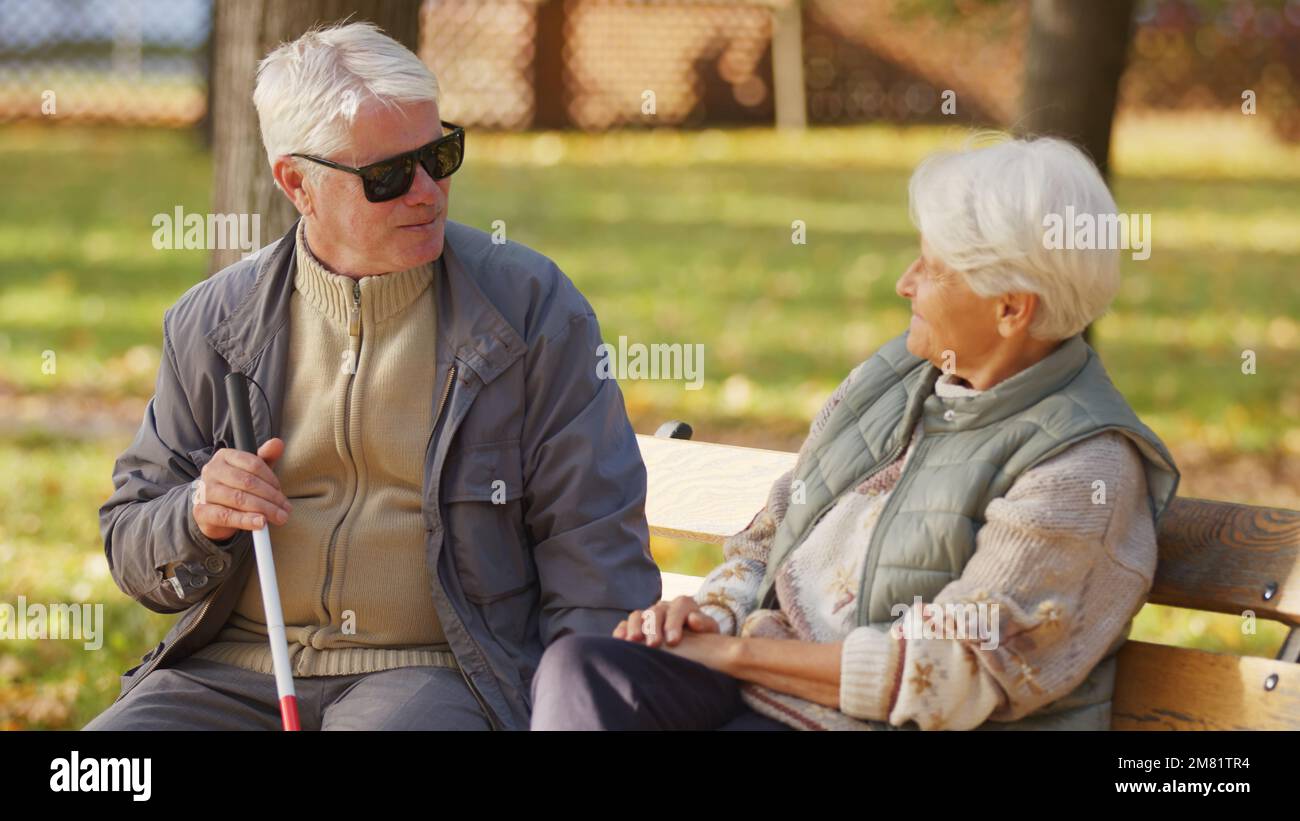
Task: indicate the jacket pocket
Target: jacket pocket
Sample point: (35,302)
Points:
(481,490)
(487,472)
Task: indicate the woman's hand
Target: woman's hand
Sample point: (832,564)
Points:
(664,622)
(712,650)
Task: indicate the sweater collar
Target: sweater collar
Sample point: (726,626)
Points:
(381,296)
(470,327)
(948,387)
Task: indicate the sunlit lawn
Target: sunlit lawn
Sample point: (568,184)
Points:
(673,238)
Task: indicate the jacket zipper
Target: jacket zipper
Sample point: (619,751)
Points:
(202,612)
(446,391)
(437,416)
(354,335)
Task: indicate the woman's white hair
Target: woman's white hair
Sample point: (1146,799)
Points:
(983,212)
(308,90)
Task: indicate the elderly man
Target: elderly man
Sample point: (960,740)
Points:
(980,465)
(449,484)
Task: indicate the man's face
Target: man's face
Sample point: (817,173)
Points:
(354,236)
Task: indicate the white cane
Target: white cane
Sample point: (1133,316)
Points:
(237,397)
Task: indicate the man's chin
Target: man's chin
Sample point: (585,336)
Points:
(424,245)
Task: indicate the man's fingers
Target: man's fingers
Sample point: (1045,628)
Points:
(251,463)
(620,632)
(271,450)
(634,626)
(219,516)
(652,624)
(678,610)
(251,483)
(243,500)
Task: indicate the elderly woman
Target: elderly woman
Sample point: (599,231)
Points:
(980,464)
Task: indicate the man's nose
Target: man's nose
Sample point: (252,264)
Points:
(424,190)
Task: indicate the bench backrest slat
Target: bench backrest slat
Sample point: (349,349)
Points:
(1174,688)
(706,492)
(1229,558)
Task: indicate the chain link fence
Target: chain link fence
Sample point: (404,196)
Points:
(120,61)
(601,64)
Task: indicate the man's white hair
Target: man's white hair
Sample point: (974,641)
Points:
(981,211)
(308,90)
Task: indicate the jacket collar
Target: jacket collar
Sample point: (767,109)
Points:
(1008,397)
(469,325)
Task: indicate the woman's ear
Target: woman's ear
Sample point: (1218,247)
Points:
(1015,312)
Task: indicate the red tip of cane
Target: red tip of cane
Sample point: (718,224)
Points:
(289,712)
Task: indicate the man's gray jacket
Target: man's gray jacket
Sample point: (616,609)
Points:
(518,400)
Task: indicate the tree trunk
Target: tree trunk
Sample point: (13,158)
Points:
(1076,55)
(244,31)
(550,94)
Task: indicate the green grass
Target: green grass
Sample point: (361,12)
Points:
(673,238)
(50,552)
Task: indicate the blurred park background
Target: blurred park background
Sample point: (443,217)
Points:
(674,219)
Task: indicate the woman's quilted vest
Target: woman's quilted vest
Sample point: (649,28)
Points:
(970,451)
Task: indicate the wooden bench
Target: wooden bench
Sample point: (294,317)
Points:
(1214,556)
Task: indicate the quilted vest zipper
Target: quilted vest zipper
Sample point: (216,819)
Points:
(769,598)
(872,558)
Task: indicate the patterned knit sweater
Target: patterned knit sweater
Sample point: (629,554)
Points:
(1061,567)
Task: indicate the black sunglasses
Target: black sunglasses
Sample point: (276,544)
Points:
(391,178)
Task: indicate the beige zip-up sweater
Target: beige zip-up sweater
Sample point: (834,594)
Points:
(350,561)
(1065,571)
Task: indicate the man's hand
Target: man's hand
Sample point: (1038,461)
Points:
(665,622)
(238,491)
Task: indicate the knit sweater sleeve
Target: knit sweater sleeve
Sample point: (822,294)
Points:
(729,592)
(1062,564)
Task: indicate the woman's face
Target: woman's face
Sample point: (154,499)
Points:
(946,314)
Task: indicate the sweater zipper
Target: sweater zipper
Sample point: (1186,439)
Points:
(354,331)
(354,335)
(354,321)
(437,416)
